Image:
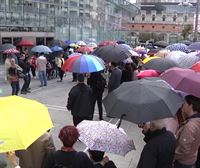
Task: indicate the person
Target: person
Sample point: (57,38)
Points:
(25,65)
(7,65)
(66,156)
(115,77)
(8,160)
(13,76)
(33,66)
(41,67)
(160,147)
(188,135)
(127,73)
(36,154)
(59,63)
(80,101)
(97,83)
(99,160)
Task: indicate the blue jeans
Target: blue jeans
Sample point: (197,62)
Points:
(179,165)
(43,78)
(15,87)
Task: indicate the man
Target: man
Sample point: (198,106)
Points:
(35,155)
(79,101)
(115,78)
(160,147)
(97,83)
(188,135)
(41,63)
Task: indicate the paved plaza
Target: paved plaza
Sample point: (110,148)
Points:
(55,95)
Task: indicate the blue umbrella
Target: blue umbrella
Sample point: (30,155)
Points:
(178,47)
(68,42)
(41,49)
(194,46)
(56,49)
(121,42)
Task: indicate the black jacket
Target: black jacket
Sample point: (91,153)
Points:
(110,164)
(79,100)
(25,66)
(159,150)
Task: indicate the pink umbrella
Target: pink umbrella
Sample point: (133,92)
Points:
(148,73)
(11,51)
(185,80)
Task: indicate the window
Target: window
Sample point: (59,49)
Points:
(133,18)
(173,27)
(174,18)
(163,27)
(153,27)
(142,27)
(153,17)
(163,18)
(143,17)
(133,26)
(185,18)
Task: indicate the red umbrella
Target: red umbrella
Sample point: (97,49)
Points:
(107,43)
(85,49)
(148,73)
(196,67)
(25,43)
(11,51)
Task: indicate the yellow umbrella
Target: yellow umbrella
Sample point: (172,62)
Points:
(22,121)
(149,58)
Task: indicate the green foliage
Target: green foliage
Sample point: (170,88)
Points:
(186,31)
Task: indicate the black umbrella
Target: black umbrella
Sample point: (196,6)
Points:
(59,43)
(194,46)
(6,46)
(162,44)
(112,53)
(160,64)
(186,42)
(143,100)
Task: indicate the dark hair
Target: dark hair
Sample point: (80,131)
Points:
(97,156)
(195,101)
(80,78)
(68,135)
(114,64)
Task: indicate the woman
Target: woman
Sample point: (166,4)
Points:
(13,76)
(67,156)
(59,63)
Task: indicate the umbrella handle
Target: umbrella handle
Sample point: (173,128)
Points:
(120,120)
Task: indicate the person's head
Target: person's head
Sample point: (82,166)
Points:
(41,54)
(12,61)
(68,135)
(157,124)
(190,106)
(22,56)
(95,155)
(113,64)
(80,78)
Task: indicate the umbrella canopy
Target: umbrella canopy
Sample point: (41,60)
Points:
(6,46)
(22,122)
(134,54)
(153,51)
(81,43)
(121,42)
(25,43)
(111,53)
(41,49)
(126,46)
(178,47)
(90,40)
(11,51)
(56,49)
(128,61)
(83,64)
(196,67)
(175,55)
(162,44)
(68,42)
(84,49)
(194,46)
(185,80)
(149,58)
(106,43)
(92,44)
(148,73)
(143,100)
(106,137)
(160,64)
(162,53)
(186,61)
(140,50)
(186,42)
(59,43)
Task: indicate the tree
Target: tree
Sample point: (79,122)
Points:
(187,31)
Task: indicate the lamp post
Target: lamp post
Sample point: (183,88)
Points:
(196,21)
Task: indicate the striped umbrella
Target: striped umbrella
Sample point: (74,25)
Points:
(178,47)
(83,64)
(11,51)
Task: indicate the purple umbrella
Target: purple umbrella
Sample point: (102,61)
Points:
(194,46)
(178,47)
(185,80)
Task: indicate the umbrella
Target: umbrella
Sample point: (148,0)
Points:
(68,42)
(59,43)
(74,54)
(90,40)
(194,46)
(92,44)
(148,73)
(162,53)
(175,55)
(6,46)
(121,42)
(106,137)
(41,49)
(196,67)
(186,42)
(185,80)
(140,50)
(73,45)
(160,64)
(106,43)
(83,64)
(127,61)
(84,49)
(22,122)
(153,51)
(133,53)
(162,44)
(186,61)
(111,53)
(81,43)
(56,49)
(11,51)
(143,100)
(178,47)
(149,58)
(25,43)
(126,46)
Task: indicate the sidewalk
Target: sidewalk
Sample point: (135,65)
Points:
(2,73)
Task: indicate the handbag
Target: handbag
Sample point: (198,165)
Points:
(20,74)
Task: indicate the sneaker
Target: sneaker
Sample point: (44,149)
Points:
(23,92)
(28,91)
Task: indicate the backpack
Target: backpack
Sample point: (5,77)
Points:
(100,84)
